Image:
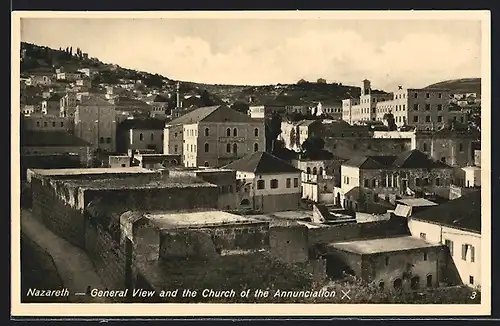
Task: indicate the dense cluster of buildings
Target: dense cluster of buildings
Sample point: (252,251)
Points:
(406,195)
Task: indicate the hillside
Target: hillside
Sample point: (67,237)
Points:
(465,85)
(37,57)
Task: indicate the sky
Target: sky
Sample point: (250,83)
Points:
(411,53)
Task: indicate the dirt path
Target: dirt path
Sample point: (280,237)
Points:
(74,266)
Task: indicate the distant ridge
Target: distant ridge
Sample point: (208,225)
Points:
(464,85)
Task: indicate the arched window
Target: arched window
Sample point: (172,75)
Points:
(308,170)
(256,132)
(245,202)
(228,132)
(207,148)
(255,147)
(235,132)
(141,136)
(207,132)
(235,148)
(228,148)
(321,170)
(315,171)
(429,280)
(206,163)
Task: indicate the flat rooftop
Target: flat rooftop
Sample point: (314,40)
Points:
(90,171)
(133,183)
(196,219)
(416,202)
(375,246)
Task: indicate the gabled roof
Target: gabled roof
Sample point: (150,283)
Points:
(95,101)
(262,163)
(218,113)
(462,213)
(370,162)
(416,159)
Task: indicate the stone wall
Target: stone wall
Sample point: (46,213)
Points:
(208,242)
(289,242)
(356,231)
(276,203)
(348,147)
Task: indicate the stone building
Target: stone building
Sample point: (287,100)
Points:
(457,225)
(95,122)
(294,133)
(144,133)
(266,183)
(213,136)
(412,171)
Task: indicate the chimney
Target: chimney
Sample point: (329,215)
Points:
(400,87)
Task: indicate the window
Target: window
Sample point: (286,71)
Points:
(440,95)
(228,132)
(465,248)
(427,107)
(422,235)
(53,123)
(374,183)
(175,135)
(308,170)
(206,164)
(207,132)
(404,107)
(315,171)
(261,184)
(462,119)
(429,280)
(295,182)
(425,254)
(45,124)
(449,244)
(461,147)
(108,140)
(124,165)
(228,148)
(256,132)
(38,123)
(152,136)
(417,182)
(472,254)
(440,118)
(175,148)
(440,107)
(367,183)
(398,284)
(427,95)
(255,147)
(424,147)
(427,118)
(207,148)
(415,118)
(415,95)
(235,148)
(443,159)
(346,180)
(320,170)
(235,132)
(288,182)
(141,136)
(471,280)
(438,182)
(415,107)
(274,183)
(101,140)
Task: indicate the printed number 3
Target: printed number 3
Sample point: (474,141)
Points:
(473,295)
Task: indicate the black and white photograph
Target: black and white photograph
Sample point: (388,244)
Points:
(324,158)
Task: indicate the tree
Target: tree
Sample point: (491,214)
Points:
(240,107)
(313,145)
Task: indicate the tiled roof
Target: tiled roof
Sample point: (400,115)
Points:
(462,213)
(142,124)
(262,163)
(195,116)
(51,138)
(413,159)
(95,101)
(218,113)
